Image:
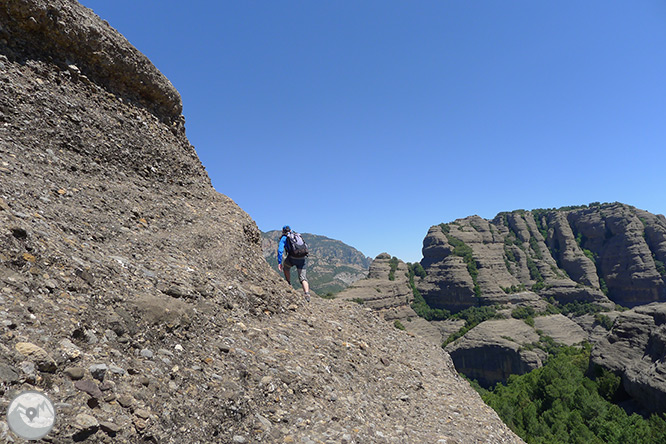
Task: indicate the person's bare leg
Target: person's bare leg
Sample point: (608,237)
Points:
(306,287)
(287,274)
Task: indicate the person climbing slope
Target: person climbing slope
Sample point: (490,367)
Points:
(297,251)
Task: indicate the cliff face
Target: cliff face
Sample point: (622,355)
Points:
(137,297)
(87,167)
(610,252)
(497,349)
(332,264)
(58,30)
(635,350)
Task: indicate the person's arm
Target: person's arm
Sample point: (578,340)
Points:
(280,252)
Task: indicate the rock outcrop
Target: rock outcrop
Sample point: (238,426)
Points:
(635,350)
(561,329)
(493,350)
(497,349)
(50,30)
(600,253)
(607,254)
(332,264)
(137,297)
(388,291)
(629,247)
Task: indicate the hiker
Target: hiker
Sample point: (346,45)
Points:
(297,250)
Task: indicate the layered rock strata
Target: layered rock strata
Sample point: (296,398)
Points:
(602,253)
(388,291)
(497,349)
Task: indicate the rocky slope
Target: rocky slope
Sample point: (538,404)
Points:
(332,264)
(600,253)
(137,297)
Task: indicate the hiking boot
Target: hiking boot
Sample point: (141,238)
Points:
(307,297)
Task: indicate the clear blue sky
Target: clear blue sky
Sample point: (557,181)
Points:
(369,121)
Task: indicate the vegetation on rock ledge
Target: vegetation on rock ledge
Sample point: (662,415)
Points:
(393,263)
(419,305)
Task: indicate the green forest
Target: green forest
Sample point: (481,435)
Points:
(558,403)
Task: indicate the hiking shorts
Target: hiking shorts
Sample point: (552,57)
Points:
(299,263)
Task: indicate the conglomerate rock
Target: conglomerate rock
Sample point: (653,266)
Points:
(567,255)
(61,30)
(606,254)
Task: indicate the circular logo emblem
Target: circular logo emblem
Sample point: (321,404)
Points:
(31,415)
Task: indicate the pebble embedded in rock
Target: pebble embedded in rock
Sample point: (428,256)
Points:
(110,427)
(126,401)
(146,353)
(90,387)
(8,374)
(74,373)
(116,370)
(38,355)
(142,413)
(98,371)
(85,422)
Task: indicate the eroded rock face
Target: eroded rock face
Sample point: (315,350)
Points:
(63,31)
(378,291)
(629,244)
(494,350)
(635,349)
(567,255)
(562,329)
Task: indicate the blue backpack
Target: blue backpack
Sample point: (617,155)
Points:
(296,246)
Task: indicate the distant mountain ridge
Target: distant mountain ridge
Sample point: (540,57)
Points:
(598,253)
(332,264)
